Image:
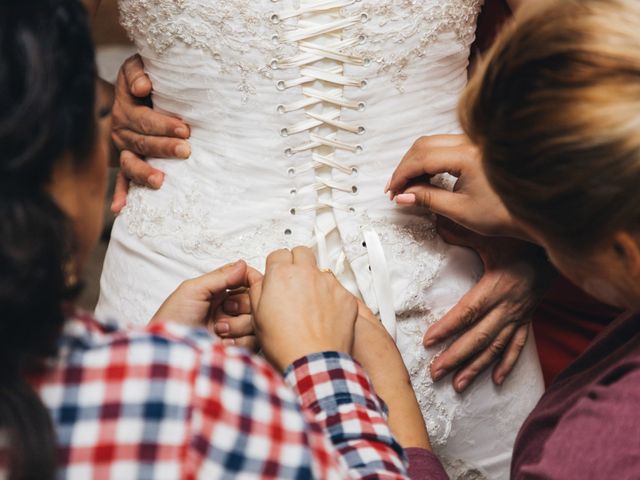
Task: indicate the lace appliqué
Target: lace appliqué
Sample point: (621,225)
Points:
(182,221)
(242,39)
(411,246)
(399,31)
(228,30)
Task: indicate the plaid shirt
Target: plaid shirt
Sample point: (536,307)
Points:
(167,402)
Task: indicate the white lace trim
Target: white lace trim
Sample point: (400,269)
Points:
(234,31)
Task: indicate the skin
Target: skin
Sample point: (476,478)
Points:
(610,272)
(138,128)
(294,309)
(492,318)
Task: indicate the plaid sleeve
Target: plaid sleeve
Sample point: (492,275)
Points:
(336,394)
(247,422)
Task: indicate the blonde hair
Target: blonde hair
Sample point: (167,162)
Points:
(555,109)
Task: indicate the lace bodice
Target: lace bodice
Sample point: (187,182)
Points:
(242,36)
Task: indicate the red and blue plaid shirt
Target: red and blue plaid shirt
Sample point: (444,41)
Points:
(168,402)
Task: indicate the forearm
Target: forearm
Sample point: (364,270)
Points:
(336,394)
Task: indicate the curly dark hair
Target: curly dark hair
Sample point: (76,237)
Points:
(47,95)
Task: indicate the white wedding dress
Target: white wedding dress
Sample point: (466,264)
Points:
(300,110)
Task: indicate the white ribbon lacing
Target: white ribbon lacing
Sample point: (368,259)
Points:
(305,33)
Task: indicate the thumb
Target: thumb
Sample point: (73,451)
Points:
(436,199)
(254,281)
(230,276)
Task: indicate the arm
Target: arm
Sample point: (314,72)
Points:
(596,438)
(336,394)
(333,428)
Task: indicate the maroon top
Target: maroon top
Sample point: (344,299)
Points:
(587,425)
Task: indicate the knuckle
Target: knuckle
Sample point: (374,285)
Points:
(140,145)
(520,341)
(146,125)
(115,137)
(425,199)
(482,339)
(468,316)
(497,347)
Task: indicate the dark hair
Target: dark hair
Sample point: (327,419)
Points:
(47,95)
(555,109)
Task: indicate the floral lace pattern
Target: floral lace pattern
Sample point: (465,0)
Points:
(411,246)
(243,40)
(182,221)
(400,31)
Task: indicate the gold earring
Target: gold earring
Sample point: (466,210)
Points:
(70,273)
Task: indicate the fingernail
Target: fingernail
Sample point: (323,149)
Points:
(500,380)
(430,342)
(138,85)
(183,150)
(462,384)
(182,132)
(221,328)
(386,188)
(406,199)
(155,180)
(228,341)
(437,375)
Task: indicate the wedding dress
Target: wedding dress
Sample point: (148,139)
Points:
(300,110)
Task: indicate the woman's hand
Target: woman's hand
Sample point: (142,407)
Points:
(472,203)
(213,301)
(299,310)
(494,315)
(139,131)
(377,353)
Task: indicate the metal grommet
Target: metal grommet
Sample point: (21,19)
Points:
(288,232)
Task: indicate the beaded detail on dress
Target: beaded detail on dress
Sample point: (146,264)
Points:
(241,37)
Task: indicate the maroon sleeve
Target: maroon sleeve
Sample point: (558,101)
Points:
(597,439)
(424,465)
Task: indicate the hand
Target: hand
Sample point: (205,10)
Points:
(299,310)
(495,314)
(377,353)
(472,203)
(140,131)
(206,302)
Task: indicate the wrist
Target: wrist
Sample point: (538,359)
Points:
(284,358)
